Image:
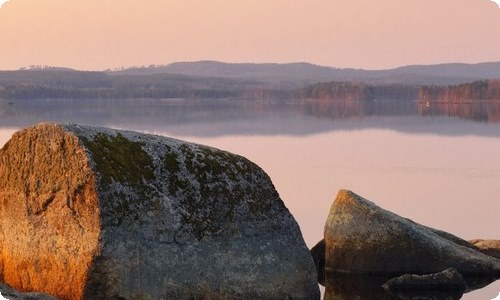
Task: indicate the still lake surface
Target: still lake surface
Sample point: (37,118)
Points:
(436,164)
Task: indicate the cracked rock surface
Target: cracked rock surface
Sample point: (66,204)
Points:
(95,213)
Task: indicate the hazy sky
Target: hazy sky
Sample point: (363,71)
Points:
(373,34)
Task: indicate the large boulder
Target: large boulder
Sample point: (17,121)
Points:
(95,213)
(362,238)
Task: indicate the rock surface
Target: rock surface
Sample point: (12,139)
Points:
(489,247)
(318,255)
(95,213)
(362,238)
(449,279)
(12,294)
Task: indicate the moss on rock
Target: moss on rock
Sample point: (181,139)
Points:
(119,159)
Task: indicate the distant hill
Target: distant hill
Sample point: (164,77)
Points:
(305,73)
(55,78)
(210,79)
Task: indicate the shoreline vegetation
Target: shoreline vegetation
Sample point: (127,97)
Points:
(213,80)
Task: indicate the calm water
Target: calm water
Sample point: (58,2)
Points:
(438,165)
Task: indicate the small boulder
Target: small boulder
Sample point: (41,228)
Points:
(447,280)
(318,255)
(489,247)
(11,294)
(362,238)
(96,213)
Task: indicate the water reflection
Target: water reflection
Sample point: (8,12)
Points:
(347,287)
(480,111)
(291,117)
(334,109)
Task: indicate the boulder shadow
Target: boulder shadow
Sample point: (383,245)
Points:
(362,287)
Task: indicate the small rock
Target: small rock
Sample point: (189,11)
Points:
(489,247)
(318,255)
(11,294)
(449,279)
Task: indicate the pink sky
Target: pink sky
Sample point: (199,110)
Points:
(100,34)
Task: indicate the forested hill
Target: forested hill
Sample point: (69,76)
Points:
(253,81)
(358,91)
(305,73)
(479,90)
(52,83)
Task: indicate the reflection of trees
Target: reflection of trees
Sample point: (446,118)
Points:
(481,111)
(344,109)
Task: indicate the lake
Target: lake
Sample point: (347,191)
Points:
(437,164)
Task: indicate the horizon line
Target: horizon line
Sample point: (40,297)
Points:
(153,66)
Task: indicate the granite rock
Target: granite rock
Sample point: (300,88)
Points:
(96,213)
(362,238)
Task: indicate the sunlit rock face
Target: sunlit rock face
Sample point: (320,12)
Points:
(95,213)
(362,238)
(489,247)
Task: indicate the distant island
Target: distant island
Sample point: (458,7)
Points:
(216,80)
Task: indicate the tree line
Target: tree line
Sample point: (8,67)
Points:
(65,83)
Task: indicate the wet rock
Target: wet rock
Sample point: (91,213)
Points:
(362,238)
(95,213)
(449,279)
(489,247)
(11,294)
(318,255)
(348,286)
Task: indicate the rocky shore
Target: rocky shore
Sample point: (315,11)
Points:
(96,213)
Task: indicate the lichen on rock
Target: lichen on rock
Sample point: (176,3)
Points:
(119,214)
